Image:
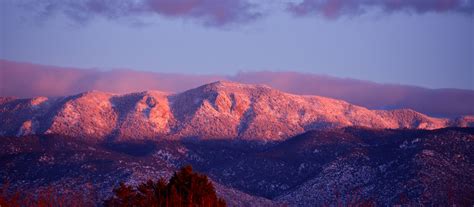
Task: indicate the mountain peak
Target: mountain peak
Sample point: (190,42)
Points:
(92,94)
(224,83)
(230,85)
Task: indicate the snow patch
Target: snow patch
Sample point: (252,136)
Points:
(28,127)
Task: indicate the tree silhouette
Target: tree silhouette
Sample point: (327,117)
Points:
(185,189)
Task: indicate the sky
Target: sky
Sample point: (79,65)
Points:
(427,43)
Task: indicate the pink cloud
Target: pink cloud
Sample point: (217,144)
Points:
(30,80)
(337,8)
(208,12)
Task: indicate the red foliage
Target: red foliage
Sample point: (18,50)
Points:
(185,188)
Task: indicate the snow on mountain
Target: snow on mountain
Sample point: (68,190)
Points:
(217,110)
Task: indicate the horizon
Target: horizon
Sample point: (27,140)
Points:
(234,74)
(25,80)
(411,43)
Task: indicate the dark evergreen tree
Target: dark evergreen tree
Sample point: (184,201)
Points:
(185,189)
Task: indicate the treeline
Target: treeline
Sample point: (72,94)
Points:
(184,189)
(45,198)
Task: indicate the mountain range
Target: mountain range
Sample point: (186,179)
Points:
(260,146)
(27,80)
(219,110)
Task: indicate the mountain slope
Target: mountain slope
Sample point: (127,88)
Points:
(217,110)
(387,167)
(66,165)
(321,167)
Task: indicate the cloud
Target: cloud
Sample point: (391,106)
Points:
(219,13)
(337,8)
(30,80)
(208,12)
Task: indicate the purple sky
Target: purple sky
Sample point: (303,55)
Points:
(417,42)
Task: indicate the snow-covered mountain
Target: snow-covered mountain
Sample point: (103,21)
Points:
(27,80)
(217,110)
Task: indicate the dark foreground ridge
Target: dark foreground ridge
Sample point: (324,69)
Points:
(322,167)
(185,188)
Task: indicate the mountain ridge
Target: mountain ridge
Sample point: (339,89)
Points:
(27,80)
(221,109)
